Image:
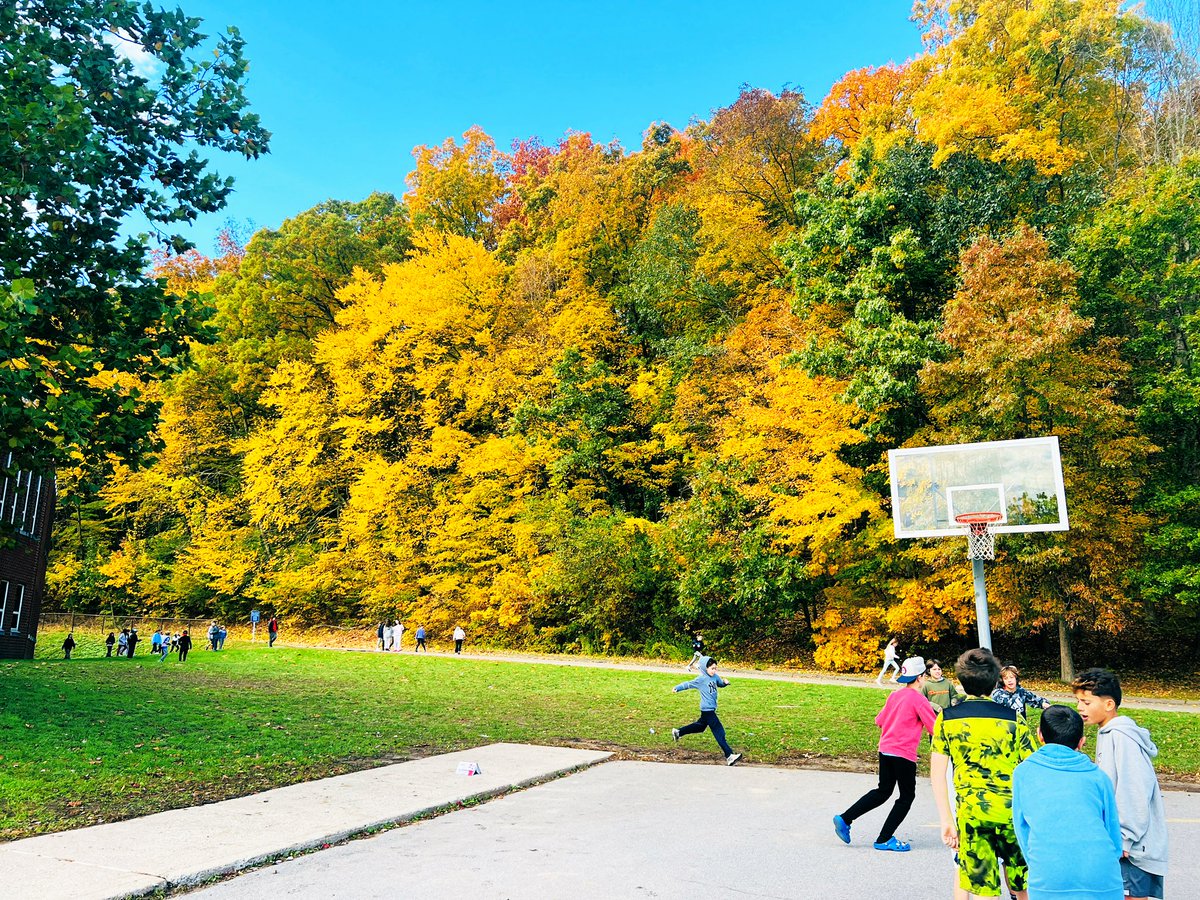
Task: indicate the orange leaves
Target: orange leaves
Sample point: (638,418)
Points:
(866,102)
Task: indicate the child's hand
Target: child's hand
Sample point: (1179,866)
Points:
(950,835)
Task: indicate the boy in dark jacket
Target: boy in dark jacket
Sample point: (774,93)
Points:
(707,683)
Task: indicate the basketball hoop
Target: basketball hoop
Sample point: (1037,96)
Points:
(981,543)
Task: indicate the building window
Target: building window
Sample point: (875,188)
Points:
(20,500)
(12,602)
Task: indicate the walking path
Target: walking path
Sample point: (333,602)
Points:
(863,681)
(188,846)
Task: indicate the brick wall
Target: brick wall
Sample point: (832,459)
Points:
(27,514)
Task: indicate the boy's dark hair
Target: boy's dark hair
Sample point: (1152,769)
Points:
(712,661)
(1062,725)
(978,671)
(933,662)
(1101,682)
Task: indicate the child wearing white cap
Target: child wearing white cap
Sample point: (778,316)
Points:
(905,714)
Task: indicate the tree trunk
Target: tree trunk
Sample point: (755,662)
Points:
(1066,662)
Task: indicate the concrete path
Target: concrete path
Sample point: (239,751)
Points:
(640,830)
(185,846)
(860,681)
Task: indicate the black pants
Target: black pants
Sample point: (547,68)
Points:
(708,719)
(109,653)
(183,652)
(893,771)
(458,646)
(420,644)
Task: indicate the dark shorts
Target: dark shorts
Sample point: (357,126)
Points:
(982,849)
(1140,883)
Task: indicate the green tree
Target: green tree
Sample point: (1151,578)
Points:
(1140,280)
(89,140)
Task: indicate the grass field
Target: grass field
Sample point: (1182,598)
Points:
(95,740)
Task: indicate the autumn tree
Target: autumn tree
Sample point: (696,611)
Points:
(1025,363)
(458,189)
(1039,82)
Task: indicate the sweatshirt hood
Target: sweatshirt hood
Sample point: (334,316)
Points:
(703,664)
(1060,759)
(1134,731)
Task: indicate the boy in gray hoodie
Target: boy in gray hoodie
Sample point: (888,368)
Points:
(707,683)
(1126,754)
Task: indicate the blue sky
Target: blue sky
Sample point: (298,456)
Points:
(349,88)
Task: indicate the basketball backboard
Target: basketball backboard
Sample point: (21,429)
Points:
(1021,480)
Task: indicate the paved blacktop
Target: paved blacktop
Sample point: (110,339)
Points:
(612,829)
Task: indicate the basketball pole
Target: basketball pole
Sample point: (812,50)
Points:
(981,607)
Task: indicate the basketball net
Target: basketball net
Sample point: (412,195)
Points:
(981,542)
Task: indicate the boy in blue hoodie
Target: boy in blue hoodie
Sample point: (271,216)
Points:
(1125,753)
(1065,816)
(707,683)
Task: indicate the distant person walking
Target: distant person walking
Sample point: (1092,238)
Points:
(398,632)
(156,640)
(389,636)
(131,644)
(459,637)
(212,636)
(185,644)
(164,648)
(108,643)
(421,639)
(379,631)
(123,642)
(697,650)
(890,652)
(68,646)
(272,631)
(222,633)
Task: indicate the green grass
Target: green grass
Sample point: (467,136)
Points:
(93,740)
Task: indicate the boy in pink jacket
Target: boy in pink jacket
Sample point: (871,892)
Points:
(905,714)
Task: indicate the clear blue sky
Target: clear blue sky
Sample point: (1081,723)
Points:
(349,88)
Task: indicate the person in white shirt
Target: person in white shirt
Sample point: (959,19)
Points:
(398,632)
(388,637)
(889,659)
(459,637)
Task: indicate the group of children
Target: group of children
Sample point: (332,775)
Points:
(1047,820)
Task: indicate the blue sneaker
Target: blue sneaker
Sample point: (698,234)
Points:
(893,844)
(841,829)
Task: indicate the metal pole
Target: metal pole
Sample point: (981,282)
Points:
(981,609)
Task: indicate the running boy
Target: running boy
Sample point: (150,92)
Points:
(1065,816)
(985,741)
(901,720)
(1126,754)
(707,683)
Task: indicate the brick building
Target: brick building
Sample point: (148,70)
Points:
(26,517)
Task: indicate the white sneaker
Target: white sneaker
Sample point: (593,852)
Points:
(675,734)
(732,759)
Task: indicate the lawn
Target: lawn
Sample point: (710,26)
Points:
(95,740)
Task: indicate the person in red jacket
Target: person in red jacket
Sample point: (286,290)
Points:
(905,714)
